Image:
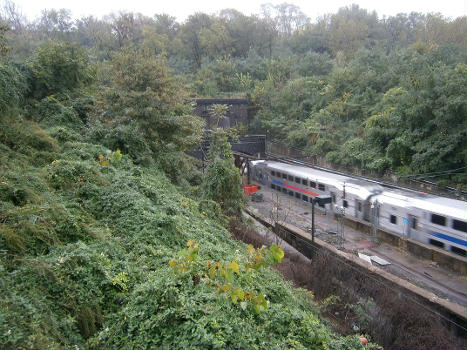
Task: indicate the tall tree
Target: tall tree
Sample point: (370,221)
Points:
(191,36)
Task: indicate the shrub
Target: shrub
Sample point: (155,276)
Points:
(26,136)
(58,67)
(67,175)
(222,182)
(51,113)
(128,137)
(13,85)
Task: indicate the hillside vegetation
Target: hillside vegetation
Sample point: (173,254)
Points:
(354,90)
(103,243)
(111,236)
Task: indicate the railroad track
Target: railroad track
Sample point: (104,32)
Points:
(460,297)
(396,268)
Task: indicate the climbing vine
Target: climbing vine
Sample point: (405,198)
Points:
(225,276)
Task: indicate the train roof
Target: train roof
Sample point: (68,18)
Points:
(394,198)
(405,199)
(440,205)
(430,203)
(360,188)
(305,172)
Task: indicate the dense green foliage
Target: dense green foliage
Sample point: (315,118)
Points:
(95,207)
(383,95)
(404,112)
(354,90)
(222,183)
(58,68)
(97,194)
(85,246)
(13,86)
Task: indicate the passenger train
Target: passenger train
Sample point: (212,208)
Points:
(439,221)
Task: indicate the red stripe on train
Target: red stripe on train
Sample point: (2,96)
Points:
(303,191)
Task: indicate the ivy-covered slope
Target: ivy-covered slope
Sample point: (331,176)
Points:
(86,241)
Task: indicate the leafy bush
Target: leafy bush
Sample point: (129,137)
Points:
(13,85)
(51,112)
(27,139)
(128,137)
(144,99)
(85,249)
(222,182)
(64,134)
(57,68)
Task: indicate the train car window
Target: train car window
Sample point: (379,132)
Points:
(273,173)
(459,225)
(305,182)
(321,187)
(321,205)
(278,174)
(414,223)
(273,186)
(290,178)
(297,180)
(297,195)
(312,184)
(393,219)
(438,219)
(345,204)
(359,206)
(458,251)
(284,176)
(436,243)
(304,198)
(284,190)
(291,193)
(333,197)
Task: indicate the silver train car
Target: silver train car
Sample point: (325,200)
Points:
(438,221)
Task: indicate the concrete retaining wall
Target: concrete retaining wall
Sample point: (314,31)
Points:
(425,251)
(301,241)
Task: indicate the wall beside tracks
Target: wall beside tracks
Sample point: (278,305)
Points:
(301,241)
(425,251)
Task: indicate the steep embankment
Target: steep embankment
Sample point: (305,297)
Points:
(90,258)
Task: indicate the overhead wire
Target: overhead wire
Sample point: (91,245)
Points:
(433,174)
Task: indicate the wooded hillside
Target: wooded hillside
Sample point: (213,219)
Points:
(111,236)
(357,90)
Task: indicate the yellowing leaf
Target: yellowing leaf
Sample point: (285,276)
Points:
(240,294)
(212,272)
(233,266)
(172,263)
(226,287)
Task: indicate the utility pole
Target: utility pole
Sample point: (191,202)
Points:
(322,200)
(313,220)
